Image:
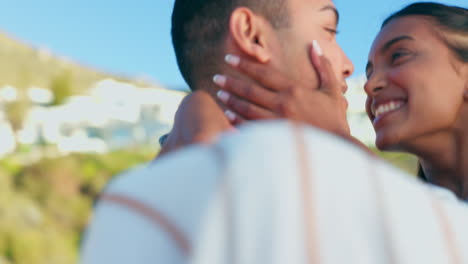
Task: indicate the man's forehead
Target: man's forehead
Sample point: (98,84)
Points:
(313,2)
(318,5)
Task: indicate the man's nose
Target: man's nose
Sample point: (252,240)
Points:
(348,67)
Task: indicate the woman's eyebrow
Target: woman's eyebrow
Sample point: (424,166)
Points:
(334,10)
(369,67)
(393,41)
(387,46)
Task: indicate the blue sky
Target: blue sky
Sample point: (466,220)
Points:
(131,37)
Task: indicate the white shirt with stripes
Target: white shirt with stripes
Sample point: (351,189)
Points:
(275,193)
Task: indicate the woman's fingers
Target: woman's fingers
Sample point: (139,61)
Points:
(315,54)
(234,119)
(264,75)
(246,90)
(327,79)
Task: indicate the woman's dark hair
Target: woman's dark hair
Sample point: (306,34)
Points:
(451,23)
(421,175)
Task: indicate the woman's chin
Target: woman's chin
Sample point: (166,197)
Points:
(387,143)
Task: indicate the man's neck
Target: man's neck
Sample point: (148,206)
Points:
(210,88)
(206,87)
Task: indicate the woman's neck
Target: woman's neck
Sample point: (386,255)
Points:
(443,161)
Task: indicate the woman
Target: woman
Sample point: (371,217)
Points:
(428,56)
(417,91)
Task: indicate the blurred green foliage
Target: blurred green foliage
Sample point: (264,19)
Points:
(14,112)
(61,87)
(23,66)
(45,206)
(404,161)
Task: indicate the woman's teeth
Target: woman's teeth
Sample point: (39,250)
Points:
(387,107)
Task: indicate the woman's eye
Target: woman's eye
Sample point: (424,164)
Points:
(397,55)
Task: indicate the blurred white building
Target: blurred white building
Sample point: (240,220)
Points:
(8,94)
(134,98)
(359,123)
(40,96)
(112,115)
(115,114)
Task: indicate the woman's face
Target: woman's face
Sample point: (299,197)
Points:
(414,87)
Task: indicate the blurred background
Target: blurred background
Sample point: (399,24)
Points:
(86,89)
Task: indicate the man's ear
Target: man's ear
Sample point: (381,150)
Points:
(249,32)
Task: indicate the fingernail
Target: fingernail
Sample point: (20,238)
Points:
(317,48)
(232,59)
(219,80)
(230,115)
(223,96)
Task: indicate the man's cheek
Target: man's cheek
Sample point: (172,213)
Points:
(336,63)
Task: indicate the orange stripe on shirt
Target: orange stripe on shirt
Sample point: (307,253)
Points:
(310,218)
(383,211)
(154,216)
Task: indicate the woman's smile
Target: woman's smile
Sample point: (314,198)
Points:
(383,109)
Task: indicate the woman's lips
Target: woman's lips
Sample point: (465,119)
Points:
(383,109)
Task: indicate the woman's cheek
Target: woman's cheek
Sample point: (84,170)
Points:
(368,107)
(401,77)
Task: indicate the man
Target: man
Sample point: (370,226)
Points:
(177,210)
(277,33)
(273,32)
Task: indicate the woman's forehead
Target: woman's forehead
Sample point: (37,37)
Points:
(409,27)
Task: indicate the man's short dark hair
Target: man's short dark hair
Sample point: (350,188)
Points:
(199,28)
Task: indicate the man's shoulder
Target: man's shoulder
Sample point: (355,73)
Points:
(168,187)
(161,173)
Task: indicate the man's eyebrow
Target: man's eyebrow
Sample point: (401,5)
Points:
(334,10)
(393,41)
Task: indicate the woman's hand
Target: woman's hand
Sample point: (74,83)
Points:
(273,96)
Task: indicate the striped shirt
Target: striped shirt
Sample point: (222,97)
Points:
(251,198)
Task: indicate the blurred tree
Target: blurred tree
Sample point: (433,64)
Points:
(45,206)
(24,79)
(16,113)
(62,87)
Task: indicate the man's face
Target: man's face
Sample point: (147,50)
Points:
(310,20)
